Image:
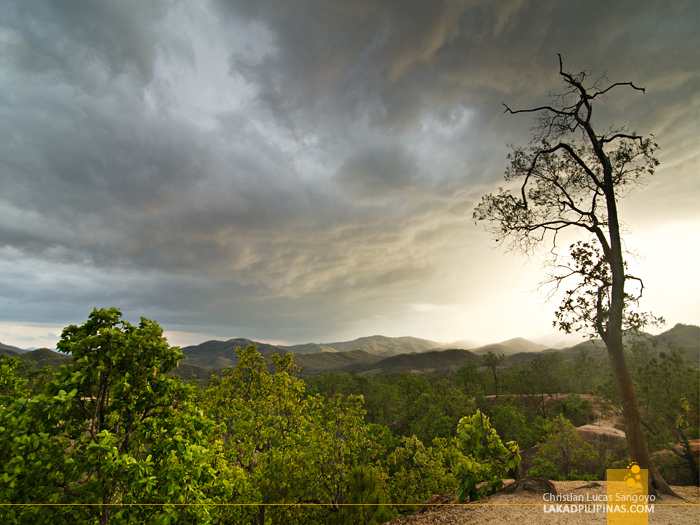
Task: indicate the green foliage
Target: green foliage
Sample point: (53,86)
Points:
(408,404)
(585,372)
(382,402)
(586,307)
(574,409)
(116,427)
(11,379)
(470,380)
(438,411)
(384,441)
(486,458)
(543,377)
(418,472)
(544,468)
(366,499)
(112,429)
(669,392)
(295,448)
(561,450)
(492,361)
(514,423)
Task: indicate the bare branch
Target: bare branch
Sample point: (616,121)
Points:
(606,140)
(535,110)
(616,84)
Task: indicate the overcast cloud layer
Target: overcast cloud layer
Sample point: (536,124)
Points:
(306,170)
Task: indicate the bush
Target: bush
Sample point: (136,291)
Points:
(575,409)
(561,450)
(486,458)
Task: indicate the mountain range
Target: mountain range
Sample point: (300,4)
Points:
(378,354)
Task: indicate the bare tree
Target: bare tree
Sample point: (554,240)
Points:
(571,176)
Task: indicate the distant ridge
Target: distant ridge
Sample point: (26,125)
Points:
(432,362)
(381,354)
(11,351)
(348,362)
(379,345)
(221,354)
(511,346)
(310,348)
(686,337)
(464,344)
(44,357)
(377,354)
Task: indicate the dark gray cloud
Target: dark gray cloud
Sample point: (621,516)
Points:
(298,170)
(378,173)
(86,44)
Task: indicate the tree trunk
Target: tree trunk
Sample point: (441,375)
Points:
(634,432)
(259,516)
(688,456)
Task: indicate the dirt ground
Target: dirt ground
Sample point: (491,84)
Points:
(528,507)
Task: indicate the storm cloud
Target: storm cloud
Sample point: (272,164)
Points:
(304,170)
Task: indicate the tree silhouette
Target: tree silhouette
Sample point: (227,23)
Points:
(492,361)
(571,176)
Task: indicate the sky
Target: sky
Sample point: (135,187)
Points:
(307,171)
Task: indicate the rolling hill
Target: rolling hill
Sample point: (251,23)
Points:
(511,346)
(380,354)
(432,362)
(310,348)
(45,357)
(351,361)
(378,345)
(464,344)
(377,354)
(11,351)
(220,354)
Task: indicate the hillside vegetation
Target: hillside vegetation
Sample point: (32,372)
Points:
(117,436)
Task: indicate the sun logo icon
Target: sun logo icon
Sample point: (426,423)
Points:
(633,477)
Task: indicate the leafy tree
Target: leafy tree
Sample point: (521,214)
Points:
(418,472)
(265,427)
(492,361)
(111,430)
(561,450)
(382,402)
(574,409)
(295,448)
(510,421)
(585,371)
(486,458)
(367,498)
(340,445)
(571,176)
(384,441)
(470,379)
(11,379)
(438,410)
(410,388)
(543,380)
